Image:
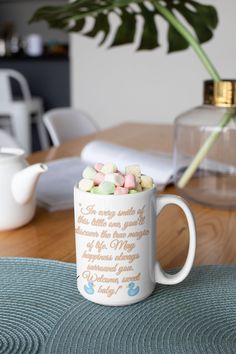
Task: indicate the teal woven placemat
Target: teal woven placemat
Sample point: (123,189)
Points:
(41,311)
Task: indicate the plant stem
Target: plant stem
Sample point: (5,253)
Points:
(167,14)
(229,114)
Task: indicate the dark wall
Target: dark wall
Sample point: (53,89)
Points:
(47,78)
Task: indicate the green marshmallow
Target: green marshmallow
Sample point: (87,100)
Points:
(106,188)
(132,191)
(89,172)
(95,190)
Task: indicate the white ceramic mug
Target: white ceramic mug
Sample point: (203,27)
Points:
(116,245)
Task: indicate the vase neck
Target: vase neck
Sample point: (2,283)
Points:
(220,93)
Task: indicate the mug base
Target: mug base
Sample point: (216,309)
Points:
(117,303)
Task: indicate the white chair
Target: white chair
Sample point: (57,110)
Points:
(20,111)
(67,123)
(6,140)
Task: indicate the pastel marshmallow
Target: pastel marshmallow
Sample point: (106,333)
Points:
(115,178)
(106,188)
(146,182)
(137,179)
(99,178)
(107,179)
(86,185)
(133,170)
(98,166)
(121,190)
(95,190)
(138,187)
(130,181)
(133,191)
(89,172)
(109,168)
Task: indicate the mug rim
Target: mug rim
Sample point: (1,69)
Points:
(151,190)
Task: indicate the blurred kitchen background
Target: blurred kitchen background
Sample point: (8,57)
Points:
(39,53)
(113,85)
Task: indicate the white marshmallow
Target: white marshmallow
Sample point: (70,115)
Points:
(109,168)
(115,178)
(86,185)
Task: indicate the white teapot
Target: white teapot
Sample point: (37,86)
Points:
(17,188)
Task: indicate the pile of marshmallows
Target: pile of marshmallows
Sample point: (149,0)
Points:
(106,179)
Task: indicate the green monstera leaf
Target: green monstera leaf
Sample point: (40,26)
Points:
(72,18)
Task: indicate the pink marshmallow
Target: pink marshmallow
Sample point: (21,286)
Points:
(130,182)
(121,190)
(98,166)
(98,179)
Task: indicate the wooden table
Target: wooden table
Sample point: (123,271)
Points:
(51,235)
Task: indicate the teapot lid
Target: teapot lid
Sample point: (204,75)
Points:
(9,153)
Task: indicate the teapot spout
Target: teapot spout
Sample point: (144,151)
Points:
(24,182)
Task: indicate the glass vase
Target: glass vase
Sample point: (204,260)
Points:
(200,132)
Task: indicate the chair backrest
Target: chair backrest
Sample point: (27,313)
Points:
(5,85)
(6,140)
(67,123)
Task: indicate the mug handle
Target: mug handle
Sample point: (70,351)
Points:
(161,276)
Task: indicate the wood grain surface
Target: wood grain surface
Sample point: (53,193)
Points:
(51,234)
